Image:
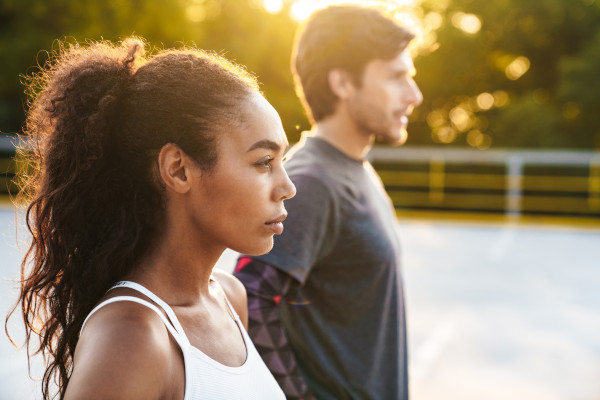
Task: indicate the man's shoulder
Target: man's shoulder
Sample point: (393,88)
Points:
(310,161)
(305,154)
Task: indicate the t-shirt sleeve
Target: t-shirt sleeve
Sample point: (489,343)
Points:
(309,230)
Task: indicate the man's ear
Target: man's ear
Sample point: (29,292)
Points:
(340,83)
(174,168)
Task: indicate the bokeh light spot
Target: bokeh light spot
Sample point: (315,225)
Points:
(445,135)
(435,119)
(485,101)
(468,23)
(477,139)
(486,142)
(517,68)
(501,98)
(433,20)
(461,119)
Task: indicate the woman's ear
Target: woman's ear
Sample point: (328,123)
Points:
(340,83)
(174,168)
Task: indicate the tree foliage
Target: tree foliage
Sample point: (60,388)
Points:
(503,73)
(537,59)
(240,30)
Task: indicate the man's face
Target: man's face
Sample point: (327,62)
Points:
(388,94)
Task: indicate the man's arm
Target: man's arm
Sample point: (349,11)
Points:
(266,285)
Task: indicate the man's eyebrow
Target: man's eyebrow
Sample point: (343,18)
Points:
(265,144)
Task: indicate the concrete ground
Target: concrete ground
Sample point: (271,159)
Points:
(495,311)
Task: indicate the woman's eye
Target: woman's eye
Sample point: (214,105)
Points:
(265,162)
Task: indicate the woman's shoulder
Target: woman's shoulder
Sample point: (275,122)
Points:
(235,292)
(231,285)
(127,320)
(124,347)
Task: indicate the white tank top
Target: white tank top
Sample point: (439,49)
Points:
(206,378)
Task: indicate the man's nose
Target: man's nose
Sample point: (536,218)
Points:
(416,97)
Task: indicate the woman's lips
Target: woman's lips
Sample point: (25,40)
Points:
(276,225)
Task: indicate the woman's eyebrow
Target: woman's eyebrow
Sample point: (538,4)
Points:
(265,144)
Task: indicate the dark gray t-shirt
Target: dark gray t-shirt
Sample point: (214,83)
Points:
(344,317)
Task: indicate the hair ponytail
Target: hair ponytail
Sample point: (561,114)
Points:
(68,130)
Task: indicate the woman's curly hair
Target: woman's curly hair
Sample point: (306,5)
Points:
(98,116)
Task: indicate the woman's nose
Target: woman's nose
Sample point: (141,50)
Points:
(286,189)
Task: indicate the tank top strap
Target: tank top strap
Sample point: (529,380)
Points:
(236,317)
(167,309)
(233,312)
(145,303)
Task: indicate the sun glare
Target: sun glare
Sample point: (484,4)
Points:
(301,9)
(273,6)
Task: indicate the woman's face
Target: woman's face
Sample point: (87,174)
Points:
(239,204)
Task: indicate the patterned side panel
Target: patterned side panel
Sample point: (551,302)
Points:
(266,285)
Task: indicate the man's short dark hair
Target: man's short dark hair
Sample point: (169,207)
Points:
(346,37)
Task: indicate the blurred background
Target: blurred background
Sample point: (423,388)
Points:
(497,190)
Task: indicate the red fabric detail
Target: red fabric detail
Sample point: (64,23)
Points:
(242,262)
(277,299)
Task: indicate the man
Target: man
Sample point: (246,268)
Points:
(326,304)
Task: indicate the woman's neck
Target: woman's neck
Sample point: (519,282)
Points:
(177,269)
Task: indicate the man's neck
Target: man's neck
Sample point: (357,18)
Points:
(344,135)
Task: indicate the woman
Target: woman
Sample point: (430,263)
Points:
(145,170)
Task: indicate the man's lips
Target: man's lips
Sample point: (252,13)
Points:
(401,118)
(276,225)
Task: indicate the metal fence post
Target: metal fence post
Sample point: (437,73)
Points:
(436,179)
(513,185)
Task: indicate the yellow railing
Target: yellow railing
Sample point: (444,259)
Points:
(512,182)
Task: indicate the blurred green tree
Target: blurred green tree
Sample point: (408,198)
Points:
(504,73)
(537,60)
(579,93)
(240,30)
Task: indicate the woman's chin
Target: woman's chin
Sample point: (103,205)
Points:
(257,249)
